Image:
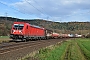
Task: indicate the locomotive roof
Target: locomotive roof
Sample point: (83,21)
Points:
(30,25)
(36,26)
(19,22)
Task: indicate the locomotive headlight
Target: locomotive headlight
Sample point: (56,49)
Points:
(20,31)
(13,30)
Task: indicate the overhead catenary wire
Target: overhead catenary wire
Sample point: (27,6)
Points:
(12,8)
(23,9)
(39,5)
(41,8)
(34,7)
(37,8)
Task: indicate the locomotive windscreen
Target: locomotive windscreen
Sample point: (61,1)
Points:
(18,26)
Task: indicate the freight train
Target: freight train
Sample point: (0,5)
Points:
(24,31)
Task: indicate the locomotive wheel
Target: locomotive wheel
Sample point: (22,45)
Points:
(24,40)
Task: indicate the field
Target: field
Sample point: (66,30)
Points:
(4,39)
(74,49)
(85,47)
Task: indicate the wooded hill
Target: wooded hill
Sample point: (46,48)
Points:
(59,27)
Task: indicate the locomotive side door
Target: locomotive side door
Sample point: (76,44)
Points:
(27,31)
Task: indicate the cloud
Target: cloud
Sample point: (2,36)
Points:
(55,9)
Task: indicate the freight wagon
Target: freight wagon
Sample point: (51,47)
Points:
(55,35)
(25,31)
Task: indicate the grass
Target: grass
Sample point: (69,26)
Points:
(73,52)
(52,54)
(85,47)
(75,49)
(86,43)
(4,39)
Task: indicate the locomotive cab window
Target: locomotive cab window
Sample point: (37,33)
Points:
(18,26)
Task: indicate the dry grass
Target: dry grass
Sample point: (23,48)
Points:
(4,39)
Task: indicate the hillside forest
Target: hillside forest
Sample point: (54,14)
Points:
(59,27)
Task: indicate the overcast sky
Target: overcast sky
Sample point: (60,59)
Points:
(53,10)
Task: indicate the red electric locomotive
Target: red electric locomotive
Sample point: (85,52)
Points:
(25,31)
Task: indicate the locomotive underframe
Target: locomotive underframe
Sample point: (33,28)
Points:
(21,37)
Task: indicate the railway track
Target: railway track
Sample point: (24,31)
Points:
(7,47)
(11,48)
